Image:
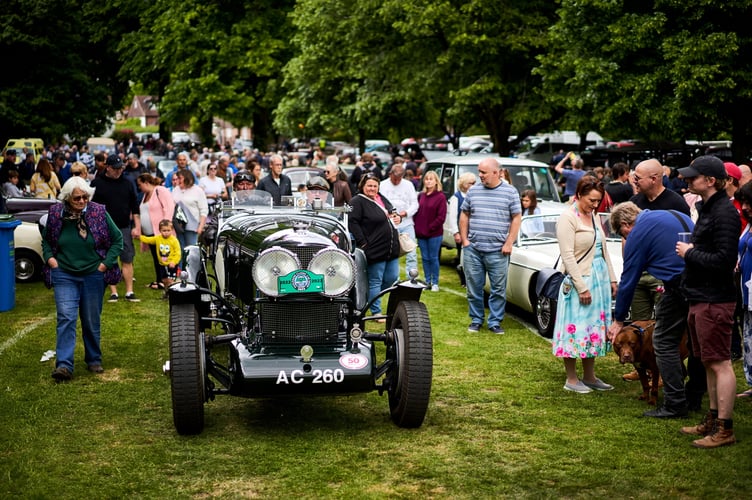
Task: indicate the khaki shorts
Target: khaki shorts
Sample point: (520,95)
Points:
(710,328)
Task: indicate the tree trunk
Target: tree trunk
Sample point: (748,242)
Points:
(498,128)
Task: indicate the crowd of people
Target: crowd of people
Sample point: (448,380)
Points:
(701,285)
(685,265)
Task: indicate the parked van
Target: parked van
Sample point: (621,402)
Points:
(25,146)
(104,144)
(525,174)
(544,146)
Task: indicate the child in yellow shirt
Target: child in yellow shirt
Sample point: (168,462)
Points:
(168,250)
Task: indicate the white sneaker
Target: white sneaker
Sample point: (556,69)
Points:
(434,288)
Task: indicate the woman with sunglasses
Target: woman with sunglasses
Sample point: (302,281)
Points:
(213,186)
(81,246)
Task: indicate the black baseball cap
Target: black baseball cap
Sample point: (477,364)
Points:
(114,161)
(11,152)
(708,165)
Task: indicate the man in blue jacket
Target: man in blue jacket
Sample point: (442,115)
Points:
(651,237)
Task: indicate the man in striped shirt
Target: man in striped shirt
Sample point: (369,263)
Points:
(489,222)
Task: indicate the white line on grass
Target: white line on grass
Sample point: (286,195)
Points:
(18,336)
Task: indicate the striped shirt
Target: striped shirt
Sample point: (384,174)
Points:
(490,211)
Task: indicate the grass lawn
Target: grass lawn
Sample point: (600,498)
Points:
(499,424)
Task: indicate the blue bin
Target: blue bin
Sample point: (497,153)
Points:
(7,262)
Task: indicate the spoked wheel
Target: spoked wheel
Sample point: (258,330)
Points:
(411,351)
(545,315)
(187,369)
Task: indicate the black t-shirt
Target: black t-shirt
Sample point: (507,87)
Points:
(667,200)
(619,191)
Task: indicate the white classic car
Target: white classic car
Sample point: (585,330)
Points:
(536,248)
(28,252)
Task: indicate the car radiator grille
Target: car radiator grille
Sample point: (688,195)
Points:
(295,322)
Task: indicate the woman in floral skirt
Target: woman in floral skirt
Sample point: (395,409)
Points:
(584,303)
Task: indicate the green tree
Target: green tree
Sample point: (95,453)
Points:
(369,65)
(661,69)
(219,58)
(60,67)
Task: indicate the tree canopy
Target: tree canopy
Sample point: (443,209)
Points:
(415,66)
(663,69)
(211,59)
(60,74)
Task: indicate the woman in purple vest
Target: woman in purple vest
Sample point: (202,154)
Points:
(81,245)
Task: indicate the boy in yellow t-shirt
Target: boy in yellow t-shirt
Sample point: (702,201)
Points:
(168,250)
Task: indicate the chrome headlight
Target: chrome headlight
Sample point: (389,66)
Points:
(270,265)
(337,268)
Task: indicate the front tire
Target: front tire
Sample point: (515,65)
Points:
(411,352)
(545,316)
(187,369)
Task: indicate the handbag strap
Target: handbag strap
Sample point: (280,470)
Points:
(684,224)
(595,235)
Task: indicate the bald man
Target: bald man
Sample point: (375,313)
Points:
(746,175)
(651,193)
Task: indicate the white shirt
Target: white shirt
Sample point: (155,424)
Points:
(215,186)
(403,197)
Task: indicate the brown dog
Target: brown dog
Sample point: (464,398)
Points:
(634,344)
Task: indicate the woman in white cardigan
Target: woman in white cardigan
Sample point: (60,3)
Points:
(193,200)
(584,304)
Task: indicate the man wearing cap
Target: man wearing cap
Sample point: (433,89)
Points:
(708,285)
(243,181)
(732,186)
(118,195)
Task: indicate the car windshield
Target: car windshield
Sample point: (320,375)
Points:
(538,228)
(522,177)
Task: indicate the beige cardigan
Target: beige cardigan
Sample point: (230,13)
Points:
(575,239)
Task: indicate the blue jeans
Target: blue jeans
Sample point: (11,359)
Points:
(477,265)
(429,253)
(381,275)
(78,296)
(411,258)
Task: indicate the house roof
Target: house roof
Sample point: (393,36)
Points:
(143,105)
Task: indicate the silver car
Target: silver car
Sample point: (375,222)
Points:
(525,174)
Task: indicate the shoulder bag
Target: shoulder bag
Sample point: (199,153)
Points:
(549,279)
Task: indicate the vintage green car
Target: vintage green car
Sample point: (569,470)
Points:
(274,303)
